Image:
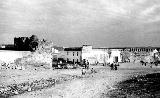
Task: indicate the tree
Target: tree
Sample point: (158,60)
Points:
(33,42)
(34,38)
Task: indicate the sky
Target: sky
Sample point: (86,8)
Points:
(101,23)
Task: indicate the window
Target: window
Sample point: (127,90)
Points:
(73,53)
(77,53)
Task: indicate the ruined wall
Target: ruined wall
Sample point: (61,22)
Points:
(42,57)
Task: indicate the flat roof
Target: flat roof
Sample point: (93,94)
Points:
(73,49)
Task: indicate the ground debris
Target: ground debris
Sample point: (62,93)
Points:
(142,86)
(15,89)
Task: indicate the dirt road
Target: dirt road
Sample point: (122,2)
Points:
(91,86)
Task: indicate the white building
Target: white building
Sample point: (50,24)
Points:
(93,55)
(101,55)
(115,55)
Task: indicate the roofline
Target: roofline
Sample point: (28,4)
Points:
(125,47)
(73,49)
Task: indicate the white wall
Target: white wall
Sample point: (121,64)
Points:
(101,55)
(114,53)
(94,55)
(87,54)
(9,56)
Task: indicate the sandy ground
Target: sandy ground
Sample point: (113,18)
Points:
(88,87)
(91,86)
(15,76)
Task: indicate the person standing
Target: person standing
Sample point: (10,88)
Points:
(111,66)
(115,66)
(83,71)
(84,63)
(87,64)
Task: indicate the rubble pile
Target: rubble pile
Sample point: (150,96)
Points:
(15,89)
(42,57)
(148,59)
(2,63)
(151,57)
(29,86)
(41,83)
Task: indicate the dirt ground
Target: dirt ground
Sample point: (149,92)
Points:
(90,86)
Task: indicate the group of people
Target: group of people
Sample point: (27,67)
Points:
(85,65)
(114,66)
(149,63)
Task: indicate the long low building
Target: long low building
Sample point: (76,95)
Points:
(93,55)
(102,55)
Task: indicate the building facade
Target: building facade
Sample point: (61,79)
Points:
(73,54)
(115,55)
(93,55)
(104,55)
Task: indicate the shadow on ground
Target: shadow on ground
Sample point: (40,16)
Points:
(143,86)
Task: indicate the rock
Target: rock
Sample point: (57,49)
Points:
(29,89)
(16,92)
(23,68)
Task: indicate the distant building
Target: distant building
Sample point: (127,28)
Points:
(101,55)
(93,55)
(115,55)
(7,47)
(131,54)
(73,54)
(141,49)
